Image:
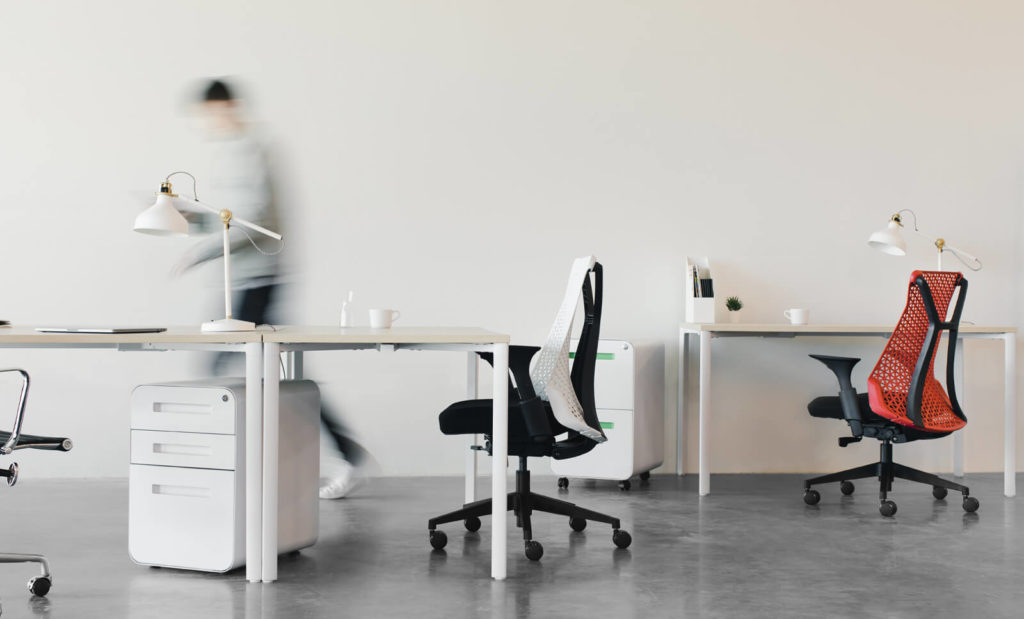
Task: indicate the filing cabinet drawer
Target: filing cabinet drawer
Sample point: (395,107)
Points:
(184,518)
(184,409)
(188,449)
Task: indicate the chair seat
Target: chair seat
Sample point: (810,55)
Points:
(830,407)
(33,441)
(474,417)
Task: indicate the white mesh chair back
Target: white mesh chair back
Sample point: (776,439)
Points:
(550,375)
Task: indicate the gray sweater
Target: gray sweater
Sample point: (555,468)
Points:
(240,180)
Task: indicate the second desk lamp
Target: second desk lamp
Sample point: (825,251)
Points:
(890,240)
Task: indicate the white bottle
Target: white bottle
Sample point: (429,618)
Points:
(346,319)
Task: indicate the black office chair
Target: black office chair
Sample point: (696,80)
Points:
(534,423)
(904,401)
(13,441)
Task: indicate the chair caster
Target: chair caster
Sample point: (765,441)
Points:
(939,492)
(438,539)
(846,488)
(645,476)
(534,551)
(887,508)
(625,485)
(11,474)
(621,538)
(578,524)
(971,504)
(472,524)
(40,585)
(811,497)
(563,482)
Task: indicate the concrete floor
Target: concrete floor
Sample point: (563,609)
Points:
(752,549)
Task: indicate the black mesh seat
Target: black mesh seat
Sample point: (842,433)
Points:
(32,441)
(831,407)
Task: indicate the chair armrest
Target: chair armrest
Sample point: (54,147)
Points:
(19,418)
(842,367)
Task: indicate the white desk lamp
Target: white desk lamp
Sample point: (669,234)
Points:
(890,240)
(165,219)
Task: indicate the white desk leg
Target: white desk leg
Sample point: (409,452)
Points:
(471,393)
(254,462)
(961,392)
(499,453)
(1010,420)
(704,486)
(292,361)
(271,440)
(681,400)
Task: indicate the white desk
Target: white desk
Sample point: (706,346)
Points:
(294,340)
(705,332)
(262,357)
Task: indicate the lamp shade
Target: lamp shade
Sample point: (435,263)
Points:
(889,240)
(162,219)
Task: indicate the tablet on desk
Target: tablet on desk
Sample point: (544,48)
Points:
(105,330)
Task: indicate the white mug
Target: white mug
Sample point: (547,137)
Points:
(382,318)
(797,315)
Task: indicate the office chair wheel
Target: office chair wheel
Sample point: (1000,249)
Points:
(887,508)
(438,539)
(625,485)
(534,551)
(811,497)
(12,474)
(621,538)
(563,482)
(645,476)
(578,524)
(971,504)
(472,524)
(40,585)
(939,492)
(846,488)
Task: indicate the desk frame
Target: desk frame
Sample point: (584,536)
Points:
(263,354)
(705,332)
(292,346)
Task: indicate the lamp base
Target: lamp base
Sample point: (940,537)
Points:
(227,325)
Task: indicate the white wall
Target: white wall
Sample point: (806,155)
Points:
(451,158)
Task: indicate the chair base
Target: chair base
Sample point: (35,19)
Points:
(523,502)
(886,471)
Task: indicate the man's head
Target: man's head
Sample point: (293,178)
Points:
(220,109)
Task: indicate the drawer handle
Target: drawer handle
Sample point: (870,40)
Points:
(178,449)
(182,408)
(190,491)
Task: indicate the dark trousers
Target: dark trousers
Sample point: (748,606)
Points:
(254,305)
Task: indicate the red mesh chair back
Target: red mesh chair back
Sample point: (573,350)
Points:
(903,387)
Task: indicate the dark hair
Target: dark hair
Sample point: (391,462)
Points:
(217,91)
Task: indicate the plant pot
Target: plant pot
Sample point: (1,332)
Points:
(735,317)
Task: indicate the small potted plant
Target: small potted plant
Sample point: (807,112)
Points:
(734,305)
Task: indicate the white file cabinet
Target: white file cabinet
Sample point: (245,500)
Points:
(186,505)
(629,392)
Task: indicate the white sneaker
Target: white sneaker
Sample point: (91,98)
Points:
(340,486)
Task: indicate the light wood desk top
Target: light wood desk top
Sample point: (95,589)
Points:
(173,335)
(289,334)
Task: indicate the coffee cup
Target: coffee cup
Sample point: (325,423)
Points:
(382,318)
(797,315)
